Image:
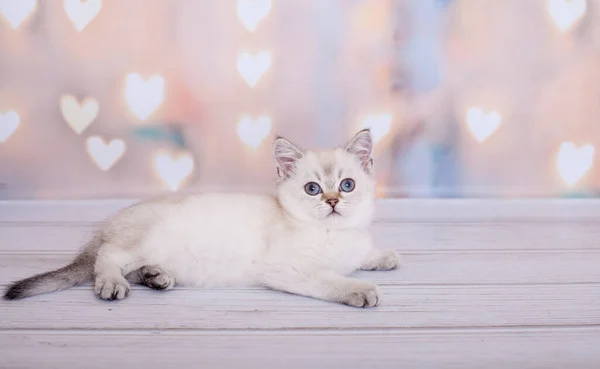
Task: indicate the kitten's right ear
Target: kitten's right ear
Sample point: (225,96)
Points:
(286,156)
(361,146)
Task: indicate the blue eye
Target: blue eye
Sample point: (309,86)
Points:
(347,185)
(312,188)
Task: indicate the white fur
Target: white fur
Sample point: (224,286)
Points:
(290,242)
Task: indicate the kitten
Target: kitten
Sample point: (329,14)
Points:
(305,240)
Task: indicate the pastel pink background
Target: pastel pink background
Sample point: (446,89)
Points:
(333,62)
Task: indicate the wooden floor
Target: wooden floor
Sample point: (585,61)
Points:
(483,284)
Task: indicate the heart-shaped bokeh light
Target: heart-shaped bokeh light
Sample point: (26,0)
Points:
(481,124)
(252,12)
(82,12)
(574,162)
(105,155)
(9,123)
(144,96)
(253,131)
(379,124)
(252,67)
(173,171)
(16,11)
(565,13)
(78,116)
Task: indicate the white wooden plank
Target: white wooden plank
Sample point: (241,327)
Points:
(559,348)
(524,235)
(400,307)
(400,236)
(387,209)
(45,237)
(60,210)
(474,209)
(417,268)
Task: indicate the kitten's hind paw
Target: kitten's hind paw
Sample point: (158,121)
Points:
(109,289)
(156,278)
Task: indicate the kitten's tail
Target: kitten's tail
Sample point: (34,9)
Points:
(80,271)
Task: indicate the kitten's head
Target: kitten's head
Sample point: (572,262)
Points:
(334,188)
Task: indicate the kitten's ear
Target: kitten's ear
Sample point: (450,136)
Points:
(286,156)
(361,146)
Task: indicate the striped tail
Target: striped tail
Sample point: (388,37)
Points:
(80,271)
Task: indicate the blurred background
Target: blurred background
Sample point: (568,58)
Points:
(131,98)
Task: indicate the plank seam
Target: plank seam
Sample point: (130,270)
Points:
(65,252)
(136,287)
(547,327)
(390,222)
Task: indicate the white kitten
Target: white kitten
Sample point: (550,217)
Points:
(303,241)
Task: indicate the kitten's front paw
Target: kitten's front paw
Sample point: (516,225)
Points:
(389,260)
(381,260)
(366,295)
(111,288)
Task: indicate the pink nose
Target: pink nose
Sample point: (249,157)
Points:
(332,202)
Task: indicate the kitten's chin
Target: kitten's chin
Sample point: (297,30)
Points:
(349,217)
(340,221)
(332,220)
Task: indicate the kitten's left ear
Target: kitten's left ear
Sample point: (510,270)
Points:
(361,146)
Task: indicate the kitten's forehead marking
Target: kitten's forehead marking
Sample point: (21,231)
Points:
(327,169)
(328,163)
